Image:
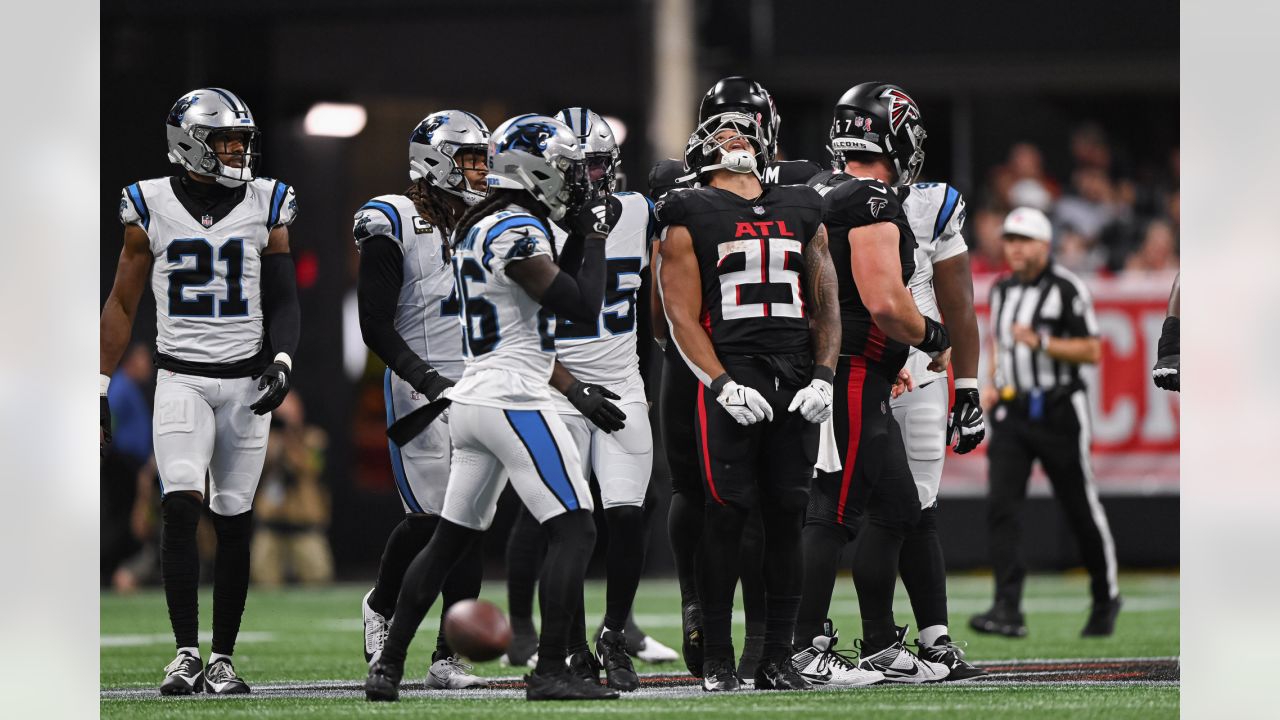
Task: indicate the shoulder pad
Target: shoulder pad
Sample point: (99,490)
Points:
(673,208)
(514,236)
(282,205)
(133,207)
(635,202)
(791,172)
(861,201)
(379,216)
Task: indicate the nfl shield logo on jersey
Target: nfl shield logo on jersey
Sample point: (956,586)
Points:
(758,209)
(207,220)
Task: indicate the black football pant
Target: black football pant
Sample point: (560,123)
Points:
(766,465)
(1060,441)
(678,422)
(873,497)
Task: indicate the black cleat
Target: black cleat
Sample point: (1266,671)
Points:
(779,674)
(182,676)
(1000,620)
(718,676)
(220,679)
(1102,618)
(691,624)
(611,648)
(564,685)
(383,683)
(584,665)
(946,652)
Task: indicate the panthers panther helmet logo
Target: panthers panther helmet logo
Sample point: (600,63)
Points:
(901,108)
(530,137)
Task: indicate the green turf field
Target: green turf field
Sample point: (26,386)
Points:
(307,636)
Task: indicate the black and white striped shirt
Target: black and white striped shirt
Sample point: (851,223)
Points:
(1055,303)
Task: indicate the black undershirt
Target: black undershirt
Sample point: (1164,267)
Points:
(377,295)
(200,199)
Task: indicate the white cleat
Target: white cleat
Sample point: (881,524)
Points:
(900,665)
(375,630)
(451,674)
(652,651)
(821,665)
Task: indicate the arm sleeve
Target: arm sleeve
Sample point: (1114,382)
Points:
(280,308)
(377,294)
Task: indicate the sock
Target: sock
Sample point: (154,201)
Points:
(924,572)
(180,565)
(783,577)
(625,563)
(684,526)
(929,636)
(462,583)
(422,583)
(526,547)
(722,539)
(230,578)
(635,636)
(215,657)
(576,640)
(571,538)
(822,545)
(403,545)
(875,573)
(192,651)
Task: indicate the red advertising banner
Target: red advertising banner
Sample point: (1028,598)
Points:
(1135,424)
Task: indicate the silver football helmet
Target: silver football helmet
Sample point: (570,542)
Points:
(597,141)
(203,116)
(434,145)
(541,155)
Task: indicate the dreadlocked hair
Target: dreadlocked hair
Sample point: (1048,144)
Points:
(496,200)
(430,202)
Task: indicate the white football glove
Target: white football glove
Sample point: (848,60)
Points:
(746,405)
(814,401)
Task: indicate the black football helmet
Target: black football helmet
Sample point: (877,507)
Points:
(879,118)
(736,102)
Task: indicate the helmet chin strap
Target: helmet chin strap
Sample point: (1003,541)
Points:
(738,161)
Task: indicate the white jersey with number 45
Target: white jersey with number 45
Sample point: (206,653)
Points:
(509,350)
(604,353)
(206,275)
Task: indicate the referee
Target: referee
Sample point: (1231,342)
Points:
(1043,330)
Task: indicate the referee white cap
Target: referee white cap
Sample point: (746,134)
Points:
(1028,222)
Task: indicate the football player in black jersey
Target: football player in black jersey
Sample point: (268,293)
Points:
(749,294)
(679,394)
(880,148)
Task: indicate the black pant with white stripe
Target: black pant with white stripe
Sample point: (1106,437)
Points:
(1060,441)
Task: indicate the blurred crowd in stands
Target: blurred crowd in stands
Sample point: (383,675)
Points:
(1108,218)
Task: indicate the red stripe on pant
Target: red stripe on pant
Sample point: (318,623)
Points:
(857,378)
(706,455)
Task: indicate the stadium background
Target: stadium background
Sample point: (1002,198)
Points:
(1054,77)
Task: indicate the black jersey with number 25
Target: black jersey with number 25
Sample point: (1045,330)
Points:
(751,259)
(847,203)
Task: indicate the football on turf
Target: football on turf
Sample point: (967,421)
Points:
(477,630)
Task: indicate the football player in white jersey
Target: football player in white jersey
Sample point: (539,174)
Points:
(409,318)
(214,241)
(941,285)
(503,421)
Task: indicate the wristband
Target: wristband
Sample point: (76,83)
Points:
(718,384)
(966,383)
(285,360)
(104,381)
(822,372)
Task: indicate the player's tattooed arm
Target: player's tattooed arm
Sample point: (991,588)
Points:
(824,323)
(116,323)
(681,284)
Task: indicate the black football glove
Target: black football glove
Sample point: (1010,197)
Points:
(966,428)
(936,338)
(1165,373)
(427,381)
(104,417)
(593,402)
(593,217)
(275,380)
